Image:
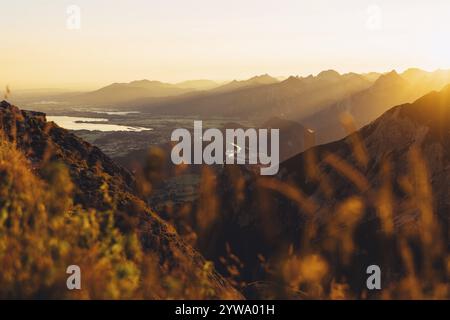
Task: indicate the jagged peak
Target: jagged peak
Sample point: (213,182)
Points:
(391,74)
(293,79)
(263,77)
(390,78)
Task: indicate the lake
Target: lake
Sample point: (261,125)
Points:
(82,123)
(117,113)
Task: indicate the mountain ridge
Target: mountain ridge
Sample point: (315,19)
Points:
(95,175)
(399,162)
(263,101)
(388,90)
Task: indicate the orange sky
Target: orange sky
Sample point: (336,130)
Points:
(169,40)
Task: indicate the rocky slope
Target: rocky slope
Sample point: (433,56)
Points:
(95,175)
(357,201)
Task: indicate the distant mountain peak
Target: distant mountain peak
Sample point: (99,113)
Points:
(258,80)
(143,81)
(329,74)
(414,74)
(294,80)
(120,93)
(264,78)
(391,74)
(414,70)
(389,79)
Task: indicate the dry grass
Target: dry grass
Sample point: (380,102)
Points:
(42,232)
(323,262)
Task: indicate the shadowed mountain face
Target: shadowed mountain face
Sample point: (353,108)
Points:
(331,123)
(294,138)
(293,98)
(379,196)
(97,180)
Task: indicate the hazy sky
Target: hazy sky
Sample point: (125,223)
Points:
(174,40)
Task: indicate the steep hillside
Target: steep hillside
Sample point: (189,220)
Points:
(388,90)
(379,196)
(99,185)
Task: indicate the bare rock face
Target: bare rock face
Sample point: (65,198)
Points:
(92,173)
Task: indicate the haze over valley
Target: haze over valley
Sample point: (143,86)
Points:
(134,137)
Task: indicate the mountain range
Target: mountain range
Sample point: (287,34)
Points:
(293,97)
(119,93)
(363,180)
(365,106)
